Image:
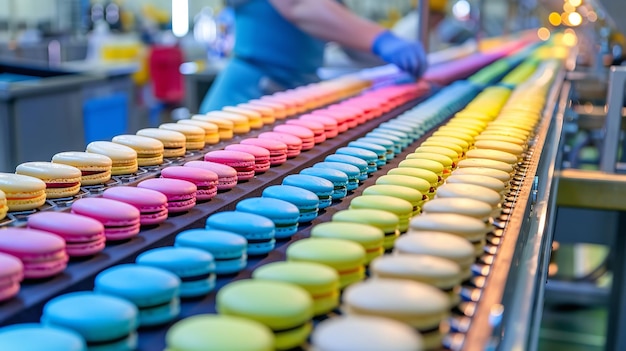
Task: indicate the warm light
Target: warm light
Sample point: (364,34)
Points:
(180,17)
(575,3)
(574,18)
(570,39)
(543,33)
(592,16)
(565,18)
(567,7)
(554,19)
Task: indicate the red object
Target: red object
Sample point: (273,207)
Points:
(167,81)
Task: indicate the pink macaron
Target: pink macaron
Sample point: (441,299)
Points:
(181,194)
(152,205)
(42,254)
(242,162)
(120,220)
(294,98)
(277,149)
(319,136)
(305,134)
(205,180)
(330,124)
(341,118)
(294,144)
(11,274)
(357,114)
(261,156)
(83,236)
(226,175)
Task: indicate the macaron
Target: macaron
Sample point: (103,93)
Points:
(123,157)
(319,135)
(285,215)
(306,201)
(397,142)
(241,124)
(405,139)
(346,257)
(380,151)
(399,207)
(22,192)
(226,175)
(485,181)
(194,136)
(277,149)
(294,144)
(320,281)
(338,178)
(120,220)
(103,321)
(255,118)
(152,204)
(412,196)
(431,177)
(470,132)
(11,275)
(446,145)
(472,229)
(501,138)
(213,332)
(502,176)
(463,206)
(267,114)
(278,109)
(471,191)
(386,221)
(447,152)
(285,308)
(242,162)
(37,337)
(42,253)
(61,180)
(83,236)
(305,134)
(455,133)
(359,163)
(95,169)
(194,267)
(225,126)
(321,187)
(390,149)
(351,172)
(290,106)
(181,194)
(329,124)
(258,230)
(350,332)
(451,140)
(444,160)
(228,249)
(439,272)
(154,291)
(421,306)
(494,155)
(370,237)
(174,143)
(428,165)
(261,155)
(411,132)
(211,130)
(368,156)
(486,163)
(340,118)
(149,150)
(4,208)
(416,183)
(439,244)
(205,181)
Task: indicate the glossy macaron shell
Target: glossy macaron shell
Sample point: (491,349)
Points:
(61,180)
(42,253)
(285,215)
(123,157)
(121,221)
(306,201)
(149,150)
(226,175)
(227,248)
(277,149)
(95,168)
(261,155)
(338,178)
(359,163)
(33,336)
(173,142)
(206,181)
(242,162)
(151,204)
(11,275)
(305,134)
(352,172)
(323,188)
(258,230)
(181,194)
(22,192)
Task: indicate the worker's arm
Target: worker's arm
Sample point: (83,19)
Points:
(328,20)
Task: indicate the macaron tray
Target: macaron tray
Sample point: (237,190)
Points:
(418,126)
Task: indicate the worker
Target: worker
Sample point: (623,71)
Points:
(279,45)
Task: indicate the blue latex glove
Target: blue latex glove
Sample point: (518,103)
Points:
(407,55)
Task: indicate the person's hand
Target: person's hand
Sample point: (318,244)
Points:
(407,55)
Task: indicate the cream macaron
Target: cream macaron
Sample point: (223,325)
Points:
(485,163)
(149,150)
(481,180)
(123,157)
(493,155)
(61,180)
(94,168)
(470,228)
(502,176)
(463,206)
(472,191)
(173,142)
(211,130)
(194,136)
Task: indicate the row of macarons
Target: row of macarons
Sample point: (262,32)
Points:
(69,170)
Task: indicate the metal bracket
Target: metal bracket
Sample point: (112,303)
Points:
(613,122)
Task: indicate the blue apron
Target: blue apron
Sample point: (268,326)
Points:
(270,55)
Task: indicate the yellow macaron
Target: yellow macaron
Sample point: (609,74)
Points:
(445,161)
(502,138)
(254,118)
(22,192)
(95,168)
(61,180)
(173,142)
(280,111)
(194,136)
(241,124)
(430,165)
(211,130)
(454,147)
(495,155)
(453,155)
(452,140)
(267,114)
(149,150)
(225,126)
(485,163)
(124,158)
(460,129)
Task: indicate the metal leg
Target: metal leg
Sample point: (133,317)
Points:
(613,122)
(616,338)
(422,26)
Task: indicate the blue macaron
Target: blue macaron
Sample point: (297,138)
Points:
(409,131)
(259,231)
(320,186)
(105,322)
(398,144)
(405,139)
(194,267)
(368,156)
(228,249)
(154,291)
(306,201)
(380,151)
(338,178)
(353,161)
(390,147)
(352,172)
(284,214)
(37,337)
